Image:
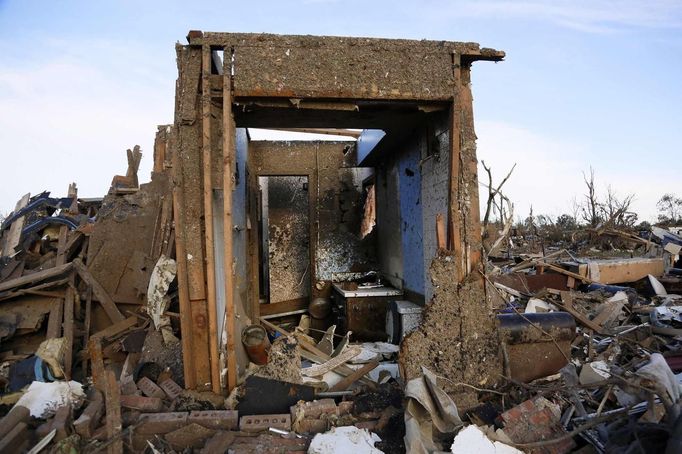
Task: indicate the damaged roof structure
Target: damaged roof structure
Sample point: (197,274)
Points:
(320,296)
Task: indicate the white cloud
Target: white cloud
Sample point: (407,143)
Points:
(585,15)
(549,172)
(70,118)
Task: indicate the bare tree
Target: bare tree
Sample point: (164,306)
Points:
(493,193)
(669,209)
(590,209)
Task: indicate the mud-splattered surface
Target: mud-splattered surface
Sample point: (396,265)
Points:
(458,338)
(284,361)
(166,356)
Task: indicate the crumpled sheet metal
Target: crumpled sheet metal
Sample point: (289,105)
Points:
(428,407)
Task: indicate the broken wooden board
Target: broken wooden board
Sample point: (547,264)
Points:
(14,234)
(620,271)
(36,277)
(99,292)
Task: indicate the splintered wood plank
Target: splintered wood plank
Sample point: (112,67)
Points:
(116,329)
(97,362)
(14,234)
(228,165)
(61,245)
(54,322)
(86,326)
(112,400)
(101,294)
(35,277)
(208,218)
(68,330)
(345,383)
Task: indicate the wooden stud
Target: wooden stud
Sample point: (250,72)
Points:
(61,245)
(454,210)
(208,220)
(441,239)
(35,277)
(54,322)
(355,376)
(112,400)
(68,330)
(183,281)
(102,296)
(97,362)
(228,164)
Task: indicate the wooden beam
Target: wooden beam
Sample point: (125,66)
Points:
(35,277)
(69,300)
(355,376)
(112,400)
(325,131)
(454,210)
(114,330)
(183,280)
(100,293)
(208,219)
(317,355)
(61,245)
(97,362)
(228,165)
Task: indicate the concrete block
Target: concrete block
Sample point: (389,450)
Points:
(189,436)
(161,423)
(150,389)
(171,388)
(142,403)
(258,423)
(87,422)
(215,419)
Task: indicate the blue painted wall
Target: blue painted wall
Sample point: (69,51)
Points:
(411,215)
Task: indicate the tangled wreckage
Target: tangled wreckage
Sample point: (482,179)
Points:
(308,296)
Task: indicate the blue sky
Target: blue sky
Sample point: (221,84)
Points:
(585,83)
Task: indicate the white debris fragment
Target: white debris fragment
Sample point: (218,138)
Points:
(473,440)
(594,372)
(346,439)
(161,278)
(43,399)
(536,305)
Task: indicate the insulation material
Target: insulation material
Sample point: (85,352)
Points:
(43,399)
(342,440)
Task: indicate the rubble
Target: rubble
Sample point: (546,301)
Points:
(150,320)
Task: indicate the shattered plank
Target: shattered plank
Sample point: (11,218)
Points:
(355,376)
(101,294)
(97,362)
(317,355)
(61,245)
(35,277)
(14,235)
(54,322)
(116,329)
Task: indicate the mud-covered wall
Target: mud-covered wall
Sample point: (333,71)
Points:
(434,186)
(335,190)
